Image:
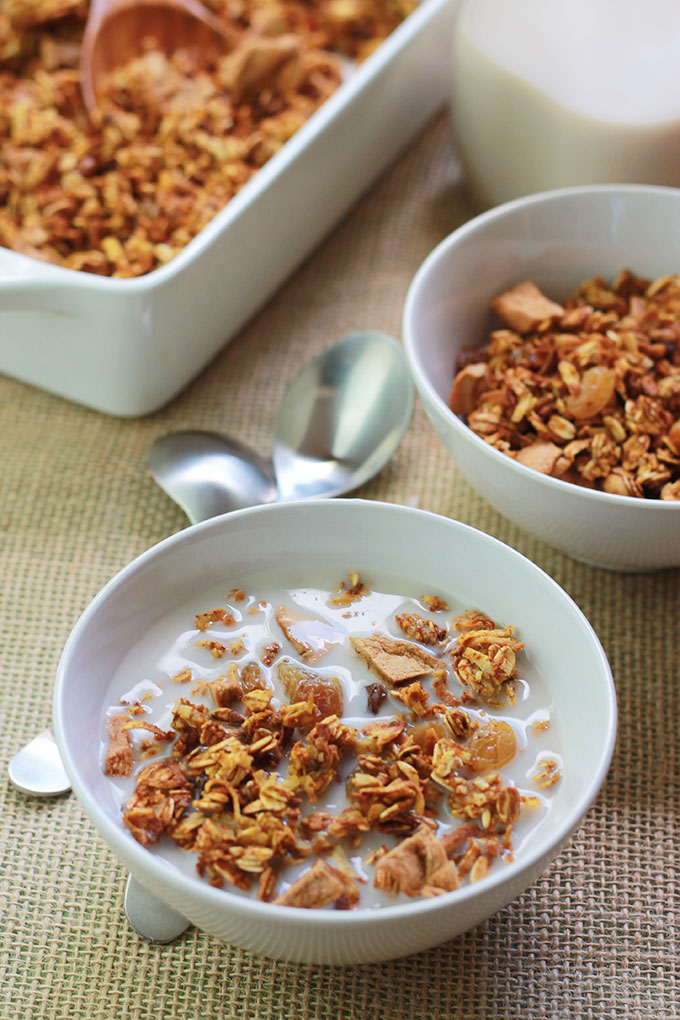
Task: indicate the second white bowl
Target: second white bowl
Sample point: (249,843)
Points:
(556,239)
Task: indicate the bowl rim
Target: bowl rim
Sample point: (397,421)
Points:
(423,383)
(192,887)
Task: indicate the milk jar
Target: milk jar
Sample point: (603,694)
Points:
(551,93)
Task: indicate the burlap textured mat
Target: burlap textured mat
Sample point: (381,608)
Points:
(597,936)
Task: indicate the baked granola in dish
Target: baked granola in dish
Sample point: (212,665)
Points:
(331,746)
(176,137)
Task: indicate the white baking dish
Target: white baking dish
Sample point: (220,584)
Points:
(126,347)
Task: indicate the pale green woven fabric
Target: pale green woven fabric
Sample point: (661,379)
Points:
(597,936)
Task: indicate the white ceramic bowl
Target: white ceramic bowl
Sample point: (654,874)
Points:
(434,553)
(557,239)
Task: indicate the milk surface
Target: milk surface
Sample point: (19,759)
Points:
(548,93)
(146,675)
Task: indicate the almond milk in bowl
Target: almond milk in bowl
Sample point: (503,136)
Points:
(374,582)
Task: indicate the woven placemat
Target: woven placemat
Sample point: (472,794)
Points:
(597,936)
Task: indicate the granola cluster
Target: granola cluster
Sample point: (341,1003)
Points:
(176,137)
(587,390)
(246,770)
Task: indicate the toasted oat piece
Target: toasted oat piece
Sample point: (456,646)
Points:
(415,697)
(310,637)
(223,616)
(318,887)
(547,772)
(377,735)
(523,308)
(417,866)
(350,590)
(485,660)
(119,757)
(162,795)
(395,662)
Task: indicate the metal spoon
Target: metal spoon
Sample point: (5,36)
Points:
(340,421)
(37,768)
(208,474)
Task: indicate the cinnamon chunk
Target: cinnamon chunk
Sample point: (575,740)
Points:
(394,662)
(119,757)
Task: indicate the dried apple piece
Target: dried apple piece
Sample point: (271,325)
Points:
(310,637)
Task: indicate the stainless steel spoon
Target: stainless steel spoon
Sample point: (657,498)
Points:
(340,421)
(37,769)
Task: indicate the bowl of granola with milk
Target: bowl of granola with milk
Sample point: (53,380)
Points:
(544,340)
(343,745)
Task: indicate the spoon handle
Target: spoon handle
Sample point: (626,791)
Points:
(37,770)
(154,920)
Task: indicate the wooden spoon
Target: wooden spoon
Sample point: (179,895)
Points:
(116,30)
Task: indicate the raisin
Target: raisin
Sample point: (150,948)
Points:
(300,684)
(491,746)
(326,694)
(252,678)
(426,735)
(376,694)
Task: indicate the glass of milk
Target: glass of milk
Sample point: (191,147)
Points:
(553,93)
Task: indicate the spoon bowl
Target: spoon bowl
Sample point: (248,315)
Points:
(340,421)
(342,418)
(209,474)
(117,29)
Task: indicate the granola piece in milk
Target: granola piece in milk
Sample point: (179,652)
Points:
(418,866)
(119,756)
(485,662)
(394,661)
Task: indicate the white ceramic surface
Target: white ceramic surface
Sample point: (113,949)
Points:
(557,239)
(127,346)
(435,553)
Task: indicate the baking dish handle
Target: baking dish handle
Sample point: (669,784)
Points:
(28,285)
